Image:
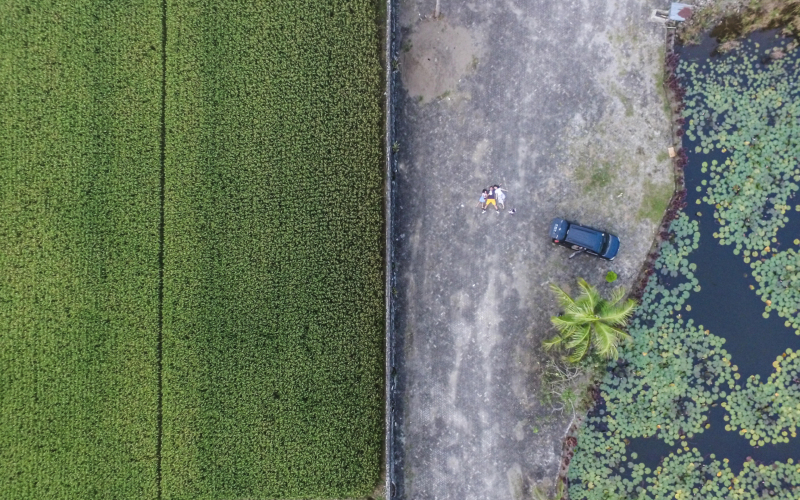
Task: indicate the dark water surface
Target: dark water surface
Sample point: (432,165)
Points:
(727,306)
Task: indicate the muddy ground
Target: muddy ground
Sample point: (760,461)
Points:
(561,104)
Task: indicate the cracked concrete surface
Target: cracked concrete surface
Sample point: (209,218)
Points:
(559,103)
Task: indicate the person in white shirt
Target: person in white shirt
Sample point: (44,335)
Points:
(501,196)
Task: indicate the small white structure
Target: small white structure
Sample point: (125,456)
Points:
(680,11)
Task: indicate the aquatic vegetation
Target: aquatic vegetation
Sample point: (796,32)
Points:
(685,237)
(779,285)
(688,475)
(748,112)
(768,412)
(672,371)
(684,474)
(668,375)
(666,391)
(745,106)
(599,455)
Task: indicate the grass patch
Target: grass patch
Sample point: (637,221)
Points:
(626,101)
(80,100)
(273,307)
(662,93)
(596,176)
(655,201)
(565,387)
(661,88)
(662,156)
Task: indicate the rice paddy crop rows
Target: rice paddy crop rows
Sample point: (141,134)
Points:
(80,99)
(273,306)
(269,379)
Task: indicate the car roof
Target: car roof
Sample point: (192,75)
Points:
(590,239)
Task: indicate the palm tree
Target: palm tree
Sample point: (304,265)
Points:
(589,320)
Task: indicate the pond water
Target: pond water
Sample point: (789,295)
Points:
(707,353)
(725,304)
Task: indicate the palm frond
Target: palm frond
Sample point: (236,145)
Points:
(611,353)
(590,292)
(562,297)
(583,303)
(580,336)
(618,315)
(606,339)
(553,342)
(579,353)
(583,317)
(617,295)
(565,324)
(590,322)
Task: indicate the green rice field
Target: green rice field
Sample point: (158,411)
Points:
(80,99)
(273,306)
(191,288)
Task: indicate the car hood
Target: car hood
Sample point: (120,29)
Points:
(612,249)
(558,228)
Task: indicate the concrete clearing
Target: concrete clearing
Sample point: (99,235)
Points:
(561,104)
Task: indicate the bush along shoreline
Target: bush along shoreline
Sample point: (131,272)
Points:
(672,371)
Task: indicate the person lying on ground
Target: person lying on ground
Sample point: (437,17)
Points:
(501,196)
(490,199)
(482,201)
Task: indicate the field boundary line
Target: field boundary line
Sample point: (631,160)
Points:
(162,189)
(389,183)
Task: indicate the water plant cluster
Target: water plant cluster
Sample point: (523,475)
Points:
(768,412)
(779,285)
(746,107)
(666,380)
(672,371)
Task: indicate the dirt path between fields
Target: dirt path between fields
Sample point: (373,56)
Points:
(560,104)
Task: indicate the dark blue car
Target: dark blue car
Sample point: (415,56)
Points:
(582,238)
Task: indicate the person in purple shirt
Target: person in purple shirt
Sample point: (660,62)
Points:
(491,199)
